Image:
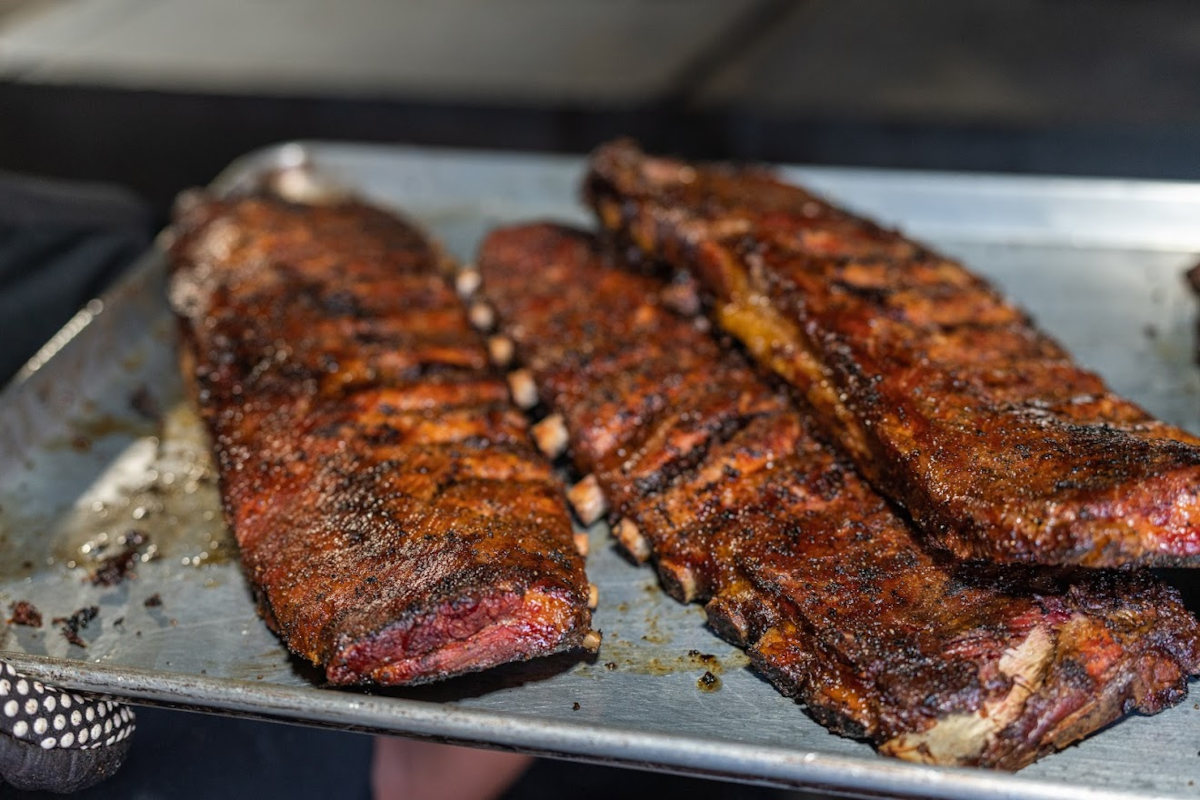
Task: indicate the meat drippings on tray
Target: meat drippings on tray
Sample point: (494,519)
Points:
(944,395)
(117,567)
(395,521)
(716,476)
(72,626)
(26,614)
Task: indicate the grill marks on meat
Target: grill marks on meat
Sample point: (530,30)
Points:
(945,396)
(797,558)
(395,520)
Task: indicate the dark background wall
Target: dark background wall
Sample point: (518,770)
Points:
(160,94)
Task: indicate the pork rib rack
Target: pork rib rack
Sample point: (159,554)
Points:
(395,520)
(715,475)
(944,395)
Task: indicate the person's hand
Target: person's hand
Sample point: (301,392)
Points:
(403,768)
(58,741)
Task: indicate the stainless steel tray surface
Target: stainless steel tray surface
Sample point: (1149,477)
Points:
(96,442)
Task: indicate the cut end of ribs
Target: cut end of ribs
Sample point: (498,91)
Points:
(1069,669)
(462,636)
(942,392)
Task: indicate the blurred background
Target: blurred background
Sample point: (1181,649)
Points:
(159,94)
(110,107)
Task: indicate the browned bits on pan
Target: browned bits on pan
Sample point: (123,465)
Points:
(143,402)
(26,614)
(72,625)
(117,567)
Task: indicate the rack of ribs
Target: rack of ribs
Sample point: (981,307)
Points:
(714,473)
(945,396)
(392,514)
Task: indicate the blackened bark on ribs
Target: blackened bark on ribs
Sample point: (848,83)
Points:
(945,396)
(394,518)
(797,558)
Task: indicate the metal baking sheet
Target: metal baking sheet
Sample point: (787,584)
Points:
(95,442)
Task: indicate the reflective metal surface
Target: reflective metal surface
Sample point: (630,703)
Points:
(95,442)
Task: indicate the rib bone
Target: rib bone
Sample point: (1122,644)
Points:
(678,579)
(588,500)
(635,544)
(467,282)
(500,350)
(551,435)
(524,392)
(482,316)
(591,641)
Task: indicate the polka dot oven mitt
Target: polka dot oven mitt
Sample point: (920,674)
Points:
(54,740)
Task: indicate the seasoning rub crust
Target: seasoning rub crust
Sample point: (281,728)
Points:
(715,475)
(944,395)
(392,515)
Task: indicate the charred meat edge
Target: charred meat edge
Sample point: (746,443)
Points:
(714,475)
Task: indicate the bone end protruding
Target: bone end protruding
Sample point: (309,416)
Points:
(727,617)
(500,350)
(591,641)
(593,595)
(632,540)
(467,281)
(523,389)
(482,316)
(582,544)
(551,436)
(588,500)
(679,580)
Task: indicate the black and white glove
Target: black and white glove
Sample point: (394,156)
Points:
(55,740)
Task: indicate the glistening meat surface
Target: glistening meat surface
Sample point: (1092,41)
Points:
(394,519)
(714,474)
(944,395)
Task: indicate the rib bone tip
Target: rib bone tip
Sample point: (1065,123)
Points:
(679,580)
(300,184)
(166,239)
(482,316)
(551,436)
(591,641)
(524,392)
(188,199)
(582,545)
(500,350)
(632,540)
(593,595)
(588,500)
(468,281)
